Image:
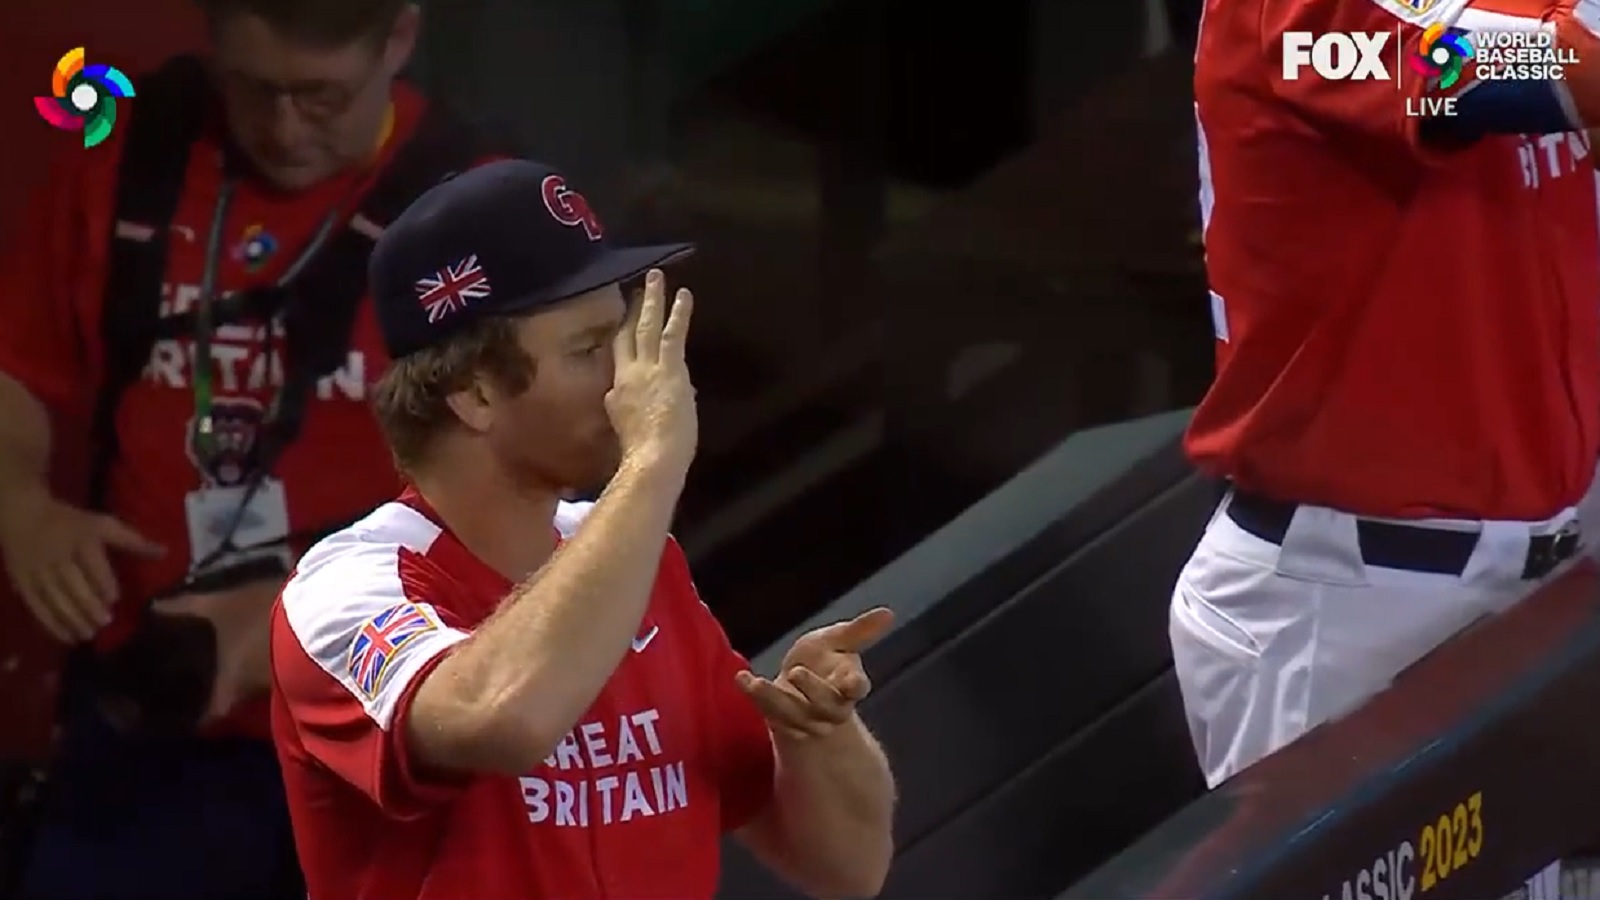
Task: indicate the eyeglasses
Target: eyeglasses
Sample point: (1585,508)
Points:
(320,101)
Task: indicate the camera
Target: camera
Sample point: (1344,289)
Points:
(159,682)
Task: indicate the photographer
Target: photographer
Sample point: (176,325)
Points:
(227,221)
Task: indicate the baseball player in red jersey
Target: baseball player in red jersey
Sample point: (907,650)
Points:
(471,702)
(1407,399)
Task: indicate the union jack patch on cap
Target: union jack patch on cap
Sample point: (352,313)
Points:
(451,288)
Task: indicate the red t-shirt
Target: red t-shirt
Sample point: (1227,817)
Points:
(338,469)
(630,805)
(1400,332)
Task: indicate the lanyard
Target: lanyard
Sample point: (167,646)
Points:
(204,391)
(203,375)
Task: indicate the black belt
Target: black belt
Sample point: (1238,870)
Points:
(1394,545)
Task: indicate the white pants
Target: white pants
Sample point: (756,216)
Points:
(1269,642)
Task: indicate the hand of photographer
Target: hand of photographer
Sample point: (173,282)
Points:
(59,560)
(241,617)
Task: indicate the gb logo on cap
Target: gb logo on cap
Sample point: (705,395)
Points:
(571,208)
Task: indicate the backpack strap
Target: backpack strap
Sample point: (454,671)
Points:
(170,114)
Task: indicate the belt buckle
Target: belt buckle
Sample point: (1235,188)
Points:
(1543,557)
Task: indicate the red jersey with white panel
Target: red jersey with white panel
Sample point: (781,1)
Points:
(631,804)
(1401,331)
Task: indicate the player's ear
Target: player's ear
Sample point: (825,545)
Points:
(473,405)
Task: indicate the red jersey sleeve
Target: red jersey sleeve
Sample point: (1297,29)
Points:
(1577,27)
(356,631)
(744,752)
(54,260)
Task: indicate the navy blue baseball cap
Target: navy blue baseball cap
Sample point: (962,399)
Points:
(507,238)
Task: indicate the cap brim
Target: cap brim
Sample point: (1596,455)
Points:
(614,265)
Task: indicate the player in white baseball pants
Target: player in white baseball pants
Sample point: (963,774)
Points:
(1286,616)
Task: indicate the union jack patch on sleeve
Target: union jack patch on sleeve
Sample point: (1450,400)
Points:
(379,641)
